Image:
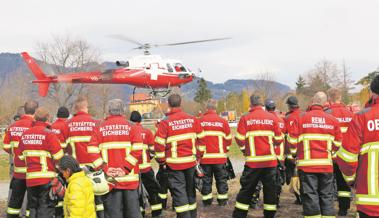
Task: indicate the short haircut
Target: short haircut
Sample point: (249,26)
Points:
(136,117)
(30,107)
(320,98)
(63,112)
(255,100)
(42,114)
(80,103)
(174,100)
(211,104)
(68,162)
(334,94)
(116,107)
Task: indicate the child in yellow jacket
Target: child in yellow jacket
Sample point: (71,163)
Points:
(79,201)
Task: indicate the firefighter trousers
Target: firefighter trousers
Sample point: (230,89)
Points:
(343,190)
(221,176)
(152,188)
(162,177)
(99,206)
(16,198)
(249,180)
(120,203)
(39,202)
(280,180)
(182,189)
(317,194)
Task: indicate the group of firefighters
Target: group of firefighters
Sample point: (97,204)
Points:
(324,144)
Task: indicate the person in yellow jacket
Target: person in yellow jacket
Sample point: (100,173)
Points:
(79,200)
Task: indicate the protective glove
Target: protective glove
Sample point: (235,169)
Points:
(57,189)
(294,186)
(119,172)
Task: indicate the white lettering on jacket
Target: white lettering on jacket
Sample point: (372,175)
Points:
(344,119)
(33,139)
(259,122)
(212,124)
(181,124)
(319,123)
(373,125)
(17,131)
(81,126)
(115,130)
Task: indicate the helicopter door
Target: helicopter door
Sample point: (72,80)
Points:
(154,71)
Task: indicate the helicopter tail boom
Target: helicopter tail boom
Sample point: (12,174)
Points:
(43,81)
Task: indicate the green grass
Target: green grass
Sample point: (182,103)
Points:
(4,167)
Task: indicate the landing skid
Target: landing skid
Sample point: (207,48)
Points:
(160,93)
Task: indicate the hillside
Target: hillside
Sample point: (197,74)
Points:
(11,62)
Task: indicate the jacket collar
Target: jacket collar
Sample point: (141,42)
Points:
(26,117)
(337,105)
(61,119)
(316,107)
(256,108)
(82,113)
(39,123)
(113,116)
(210,112)
(174,110)
(75,176)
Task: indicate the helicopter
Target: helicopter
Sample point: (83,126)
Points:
(144,71)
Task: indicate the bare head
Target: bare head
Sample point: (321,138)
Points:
(81,104)
(116,107)
(255,100)
(42,114)
(374,87)
(334,95)
(174,100)
(211,104)
(319,98)
(30,107)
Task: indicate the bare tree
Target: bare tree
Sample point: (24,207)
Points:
(67,54)
(265,85)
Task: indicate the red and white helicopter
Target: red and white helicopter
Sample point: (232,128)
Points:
(145,71)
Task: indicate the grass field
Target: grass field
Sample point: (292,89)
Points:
(4,167)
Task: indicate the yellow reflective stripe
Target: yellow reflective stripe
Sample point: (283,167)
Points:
(293,151)
(214,155)
(348,179)
(192,206)
(78,139)
(202,148)
(322,216)
(314,162)
(127,178)
(289,156)
(214,133)
(58,155)
(162,196)
(138,146)
(132,160)
(279,137)
(228,137)
(60,204)
(99,207)
(344,194)
(145,166)
(344,129)
(316,137)
(15,144)
(7,146)
(181,137)
(222,196)
(181,159)
(63,145)
(314,216)
(19,169)
(271,207)
(242,206)
(337,143)
(160,140)
(27,213)
(292,140)
(35,175)
(207,197)
(260,133)
(160,154)
(240,136)
(372,146)
(367,200)
(182,209)
(260,158)
(36,153)
(372,172)
(242,147)
(200,135)
(156,207)
(98,162)
(13,211)
(93,149)
(114,145)
(347,156)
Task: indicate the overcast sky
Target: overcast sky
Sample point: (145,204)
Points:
(284,37)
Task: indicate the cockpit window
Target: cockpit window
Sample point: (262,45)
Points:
(169,68)
(179,67)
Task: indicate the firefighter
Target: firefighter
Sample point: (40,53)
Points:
(257,134)
(314,136)
(279,150)
(290,163)
(11,140)
(147,173)
(120,145)
(176,147)
(217,139)
(358,156)
(39,147)
(344,116)
(58,127)
(78,132)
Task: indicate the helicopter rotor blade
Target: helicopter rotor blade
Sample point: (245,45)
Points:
(191,42)
(126,39)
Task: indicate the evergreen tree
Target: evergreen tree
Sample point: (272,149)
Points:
(245,101)
(203,94)
(300,84)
